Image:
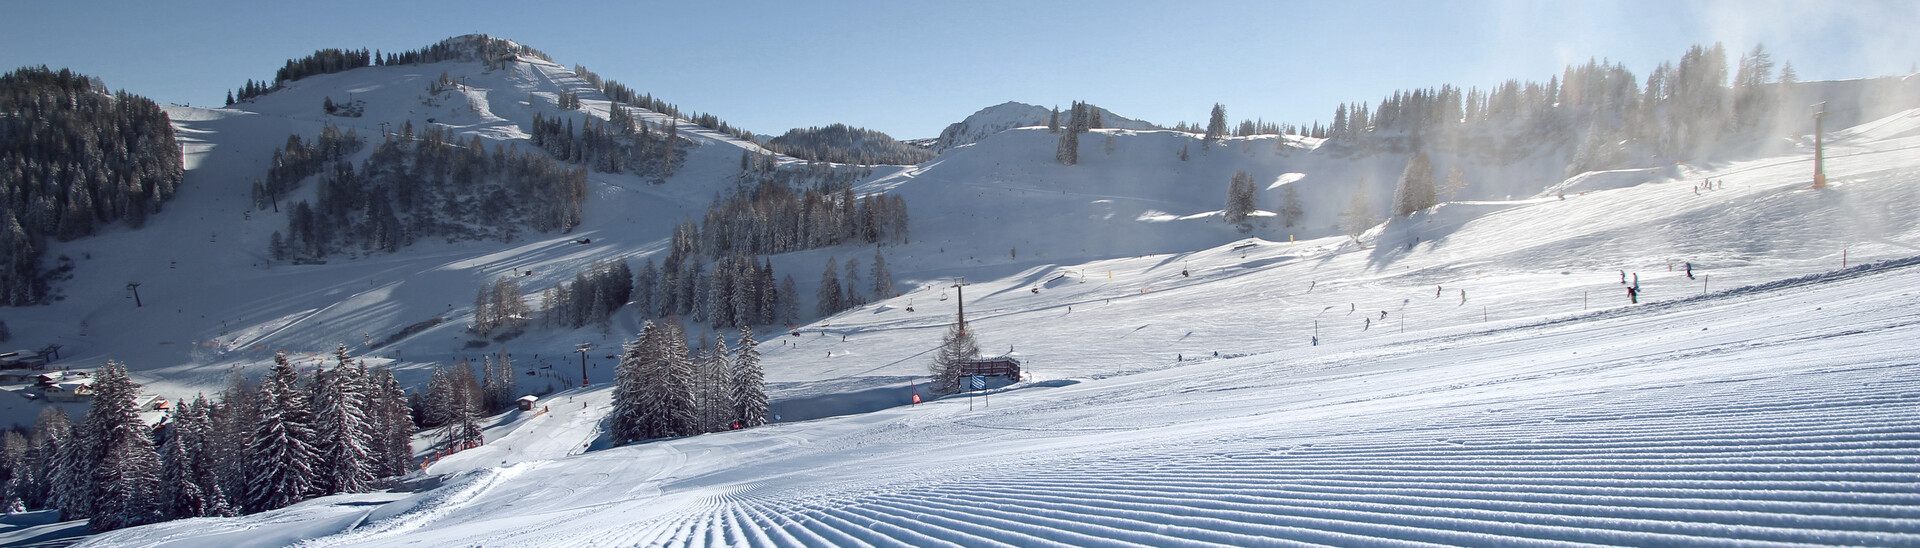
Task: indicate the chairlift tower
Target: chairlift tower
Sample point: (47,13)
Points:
(583,349)
(959,294)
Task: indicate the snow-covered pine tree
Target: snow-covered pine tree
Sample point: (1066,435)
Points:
(125,471)
(342,433)
(280,457)
(882,278)
(956,348)
(749,383)
(829,293)
(1416,190)
(1240,197)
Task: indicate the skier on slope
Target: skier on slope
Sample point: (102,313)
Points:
(1689,270)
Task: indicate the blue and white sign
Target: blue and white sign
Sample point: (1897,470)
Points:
(979,382)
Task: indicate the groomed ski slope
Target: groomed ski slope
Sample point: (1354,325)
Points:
(1778,414)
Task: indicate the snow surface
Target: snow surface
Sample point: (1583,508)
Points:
(1509,396)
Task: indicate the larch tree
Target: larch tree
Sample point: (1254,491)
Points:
(882,278)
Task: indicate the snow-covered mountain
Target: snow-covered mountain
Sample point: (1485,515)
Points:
(1009,115)
(1191,380)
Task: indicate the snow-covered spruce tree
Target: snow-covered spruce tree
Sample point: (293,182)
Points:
(125,471)
(196,418)
(180,495)
(68,475)
(393,425)
(1358,216)
(882,278)
(789,303)
(1290,208)
(853,298)
(626,423)
(716,387)
(1053,120)
(1216,124)
(342,432)
(955,350)
(280,457)
(646,290)
(679,411)
(769,306)
(746,292)
(51,430)
(829,299)
(229,434)
(1068,151)
(1240,197)
(720,289)
(749,383)
(1416,190)
(14,465)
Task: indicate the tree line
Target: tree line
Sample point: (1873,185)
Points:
(254,448)
(847,145)
(663,389)
(73,158)
(411,188)
(621,145)
(492,51)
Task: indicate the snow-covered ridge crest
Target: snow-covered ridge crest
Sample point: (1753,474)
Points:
(1011,114)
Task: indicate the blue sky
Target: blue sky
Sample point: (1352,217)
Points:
(909,68)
